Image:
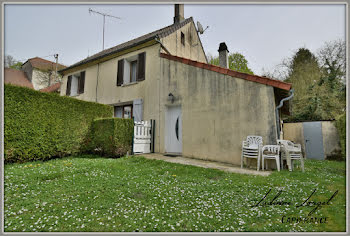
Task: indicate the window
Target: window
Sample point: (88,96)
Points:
(183,39)
(132,109)
(124,111)
(131,70)
(127,112)
(75,84)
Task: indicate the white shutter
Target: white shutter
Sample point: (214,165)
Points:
(138,109)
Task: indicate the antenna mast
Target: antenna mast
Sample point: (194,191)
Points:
(104,17)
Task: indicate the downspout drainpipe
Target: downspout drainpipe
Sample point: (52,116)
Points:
(98,73)
(277,113)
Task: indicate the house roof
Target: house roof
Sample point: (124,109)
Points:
(43,64)
(258,79)
(142,39)
(16,77)
(53,88)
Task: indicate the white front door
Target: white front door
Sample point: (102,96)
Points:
(173,130)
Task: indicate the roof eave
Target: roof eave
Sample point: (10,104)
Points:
(108,55)
(153,36)
(254,78)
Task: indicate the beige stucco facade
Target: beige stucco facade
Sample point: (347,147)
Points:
(218,111)
(100,81)
(192,49)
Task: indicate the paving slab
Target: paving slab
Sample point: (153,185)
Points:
(205,164)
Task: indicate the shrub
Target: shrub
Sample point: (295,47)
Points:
(341,127)
(111,137)
(40,126)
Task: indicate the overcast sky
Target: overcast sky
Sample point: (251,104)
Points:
(264,34)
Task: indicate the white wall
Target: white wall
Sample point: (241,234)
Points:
(40,79)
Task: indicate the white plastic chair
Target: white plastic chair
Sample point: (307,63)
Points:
(271,152)
(251,148)
(290,152)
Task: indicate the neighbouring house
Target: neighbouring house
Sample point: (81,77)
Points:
(16,77)
(200,110)
(41,72)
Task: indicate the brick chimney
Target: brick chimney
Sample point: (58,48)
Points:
(223,55)
(179,13)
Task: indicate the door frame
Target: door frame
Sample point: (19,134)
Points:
(313,128)
(166,129)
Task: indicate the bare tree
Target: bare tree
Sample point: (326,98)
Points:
(332,58)
(10,61)
(279,72)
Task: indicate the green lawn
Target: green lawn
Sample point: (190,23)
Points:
(89,193)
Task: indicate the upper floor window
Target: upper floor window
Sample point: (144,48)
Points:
(75,84)
(131,70)
(183,39)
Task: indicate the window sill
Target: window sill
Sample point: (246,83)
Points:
(76,95)
(132,83)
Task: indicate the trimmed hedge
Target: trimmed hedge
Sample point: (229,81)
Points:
(40,126)
(340,123)
(111,137)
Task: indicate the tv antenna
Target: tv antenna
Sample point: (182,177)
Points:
(104,18)
(200,28)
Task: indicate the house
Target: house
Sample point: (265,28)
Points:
(16,77)
(41,72)
(200,110)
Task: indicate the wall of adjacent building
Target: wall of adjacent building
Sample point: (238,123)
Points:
(27,69)
(294,132)
(331,140)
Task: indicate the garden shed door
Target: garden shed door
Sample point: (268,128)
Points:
(173,130)
(313,140)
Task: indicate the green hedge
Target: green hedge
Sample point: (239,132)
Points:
(111,137)
(341,127)
(40,126)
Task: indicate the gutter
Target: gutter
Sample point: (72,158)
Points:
(162,45)
(277,113)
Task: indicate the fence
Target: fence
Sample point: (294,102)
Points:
(143,137)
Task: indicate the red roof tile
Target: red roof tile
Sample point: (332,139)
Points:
(258,79)
(45,65)
(16,77)
(52,88)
